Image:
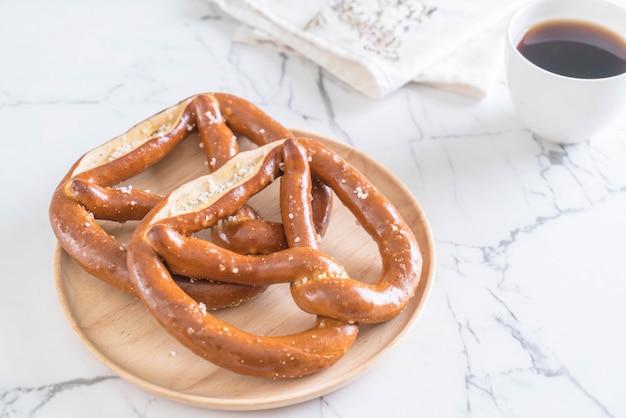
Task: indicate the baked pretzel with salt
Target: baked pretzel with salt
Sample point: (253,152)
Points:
(91,190)
(164,243)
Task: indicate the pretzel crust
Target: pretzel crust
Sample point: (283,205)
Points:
(163,243)
(91,189)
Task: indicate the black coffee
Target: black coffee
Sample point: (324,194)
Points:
(575,49)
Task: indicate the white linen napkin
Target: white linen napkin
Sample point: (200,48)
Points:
(377,46)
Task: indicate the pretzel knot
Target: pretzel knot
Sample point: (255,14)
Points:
(164,244)
(92,190)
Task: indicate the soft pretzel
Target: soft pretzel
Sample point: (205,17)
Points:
(164,243)
(91,191)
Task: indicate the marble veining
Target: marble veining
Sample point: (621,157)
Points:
(526,315)
(30,400)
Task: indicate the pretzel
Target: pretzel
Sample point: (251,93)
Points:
(164,243)
(91,191)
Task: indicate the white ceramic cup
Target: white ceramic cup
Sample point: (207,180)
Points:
(557,108)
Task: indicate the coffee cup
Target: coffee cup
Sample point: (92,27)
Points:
(556,104)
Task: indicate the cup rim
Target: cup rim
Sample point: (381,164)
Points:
(513,46)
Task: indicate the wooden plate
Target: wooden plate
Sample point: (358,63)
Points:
(125,337)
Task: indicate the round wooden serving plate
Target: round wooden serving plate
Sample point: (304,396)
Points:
(124,336)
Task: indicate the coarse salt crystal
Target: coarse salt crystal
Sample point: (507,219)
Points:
(202,308)
(360,193)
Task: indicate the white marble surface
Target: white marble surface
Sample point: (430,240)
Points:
(526,317)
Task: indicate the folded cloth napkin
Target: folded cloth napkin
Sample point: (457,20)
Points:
(377,46)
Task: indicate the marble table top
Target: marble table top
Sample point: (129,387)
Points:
(526,316)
